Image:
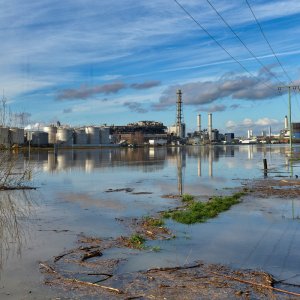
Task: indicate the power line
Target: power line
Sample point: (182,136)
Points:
(263,34)
(220,45)
(249,50)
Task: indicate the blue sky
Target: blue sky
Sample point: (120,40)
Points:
(88,62)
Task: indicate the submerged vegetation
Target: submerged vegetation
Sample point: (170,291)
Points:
(13,175)
(153,222)
(198,212)
(137,241)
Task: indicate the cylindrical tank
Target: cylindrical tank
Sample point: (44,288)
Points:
(209,126)
(37,138)
(52,130)
(64,136)
(296,130)
(4,137)
(80,136)
(104,135)
(93,135)
(16,136)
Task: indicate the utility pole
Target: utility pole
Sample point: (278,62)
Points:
(289,87)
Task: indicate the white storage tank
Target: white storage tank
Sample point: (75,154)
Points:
(64,136)
(16,136)
(80,136)
(4,137)
(104,135)
(93,135)
(52,130)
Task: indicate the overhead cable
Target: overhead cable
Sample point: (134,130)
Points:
(221,46)
(249,50)
(263,34)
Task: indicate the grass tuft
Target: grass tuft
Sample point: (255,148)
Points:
(137,241)
(199,212)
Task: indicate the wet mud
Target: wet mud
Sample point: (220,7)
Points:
(283,188)
(96,276)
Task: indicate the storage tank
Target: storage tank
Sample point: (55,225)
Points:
(104,135)
(16,136)
(52,130)
(93,135)
(80,136)
(37,138)
(296,130)
(4,137)
(64,136)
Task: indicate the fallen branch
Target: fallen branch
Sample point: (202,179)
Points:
(73,280)
(49,269)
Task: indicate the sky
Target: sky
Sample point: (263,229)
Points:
(91,62)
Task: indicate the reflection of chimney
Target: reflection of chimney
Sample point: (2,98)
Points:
(199,123)
(210,163)
(286,122)
(199,166)
(209,126)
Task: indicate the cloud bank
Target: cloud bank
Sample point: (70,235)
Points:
(236,87)
(85,92)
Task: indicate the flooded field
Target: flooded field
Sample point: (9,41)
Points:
(94,192)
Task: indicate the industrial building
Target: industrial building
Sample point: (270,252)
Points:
(138,133)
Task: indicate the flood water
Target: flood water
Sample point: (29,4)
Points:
(72,199)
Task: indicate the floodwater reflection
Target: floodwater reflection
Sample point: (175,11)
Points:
(75,200)
(155,159)
(15,208)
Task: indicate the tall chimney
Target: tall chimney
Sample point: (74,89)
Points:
(199,123)
(179,113)
(209,126)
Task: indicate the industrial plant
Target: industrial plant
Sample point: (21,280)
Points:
(149,133)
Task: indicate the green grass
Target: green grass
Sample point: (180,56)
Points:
(187,198)
(150,221)
(198,212)
(137,241)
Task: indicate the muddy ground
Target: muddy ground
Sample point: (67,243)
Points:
(87,272)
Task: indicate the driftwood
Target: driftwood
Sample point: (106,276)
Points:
(57,258)
(111,289)
(91,254)
(13,188)
(51,270)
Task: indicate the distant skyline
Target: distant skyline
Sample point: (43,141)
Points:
(116,62)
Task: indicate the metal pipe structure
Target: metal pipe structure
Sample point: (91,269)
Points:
(179,113)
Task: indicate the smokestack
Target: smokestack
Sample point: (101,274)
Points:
(250,133)
(209,126)
(179,113)
(286,123)
(199,123)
